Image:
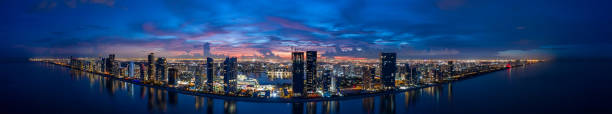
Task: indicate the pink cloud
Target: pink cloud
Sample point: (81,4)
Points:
(293,25)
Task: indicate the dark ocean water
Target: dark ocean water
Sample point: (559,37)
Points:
(549,87)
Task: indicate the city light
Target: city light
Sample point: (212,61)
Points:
(276,80)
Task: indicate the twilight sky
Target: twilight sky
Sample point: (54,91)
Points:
(344,28)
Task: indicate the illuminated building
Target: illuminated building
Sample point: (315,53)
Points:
(198,76)
(131,69)
(326,80)
(151,65)
(368,77)
(112,66)
(173,74)
(349,75)
(103,65)
(410,73)
(109,63)
(297,70)
(123,71)
(311,71)
(388,69)
(209,73)
(451,66)
(161,66)
(142,72)
(230,74)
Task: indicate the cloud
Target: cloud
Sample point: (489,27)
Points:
(335,28)
(52,4)
(292,25)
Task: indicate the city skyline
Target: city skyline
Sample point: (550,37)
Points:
(337,79)
(305,56)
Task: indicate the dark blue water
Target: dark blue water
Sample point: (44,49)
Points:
(550,87)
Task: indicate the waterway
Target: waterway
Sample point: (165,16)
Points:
(548,87)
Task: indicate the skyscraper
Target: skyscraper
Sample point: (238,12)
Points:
(131,69)
(173,74)
(142,72)
(451,70)
(109,63)
(116,69)
(297,70)
(209,73)
(410,73)
(229,78)
(368,77)
(311,71)
(161,66)
(103,68)
(206,50)
(438,73)
(326,80)
(198,75)
(151,66)
(388,69)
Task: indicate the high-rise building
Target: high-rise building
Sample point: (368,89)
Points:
(410,74)
(326,80)
(102,65)
(311,71)
(109,64)
(230,75)
(173,74)
(297,71)
(388,69)
(206,50)
(151,66)
(161,66)
(209,73)
(131,69)
(142,72)
(438,73)
(368,77)
(451,68)
(124,71)
(198,75)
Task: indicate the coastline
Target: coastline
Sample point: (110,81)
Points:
(281,100)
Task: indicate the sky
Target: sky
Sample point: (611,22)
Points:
(337,29)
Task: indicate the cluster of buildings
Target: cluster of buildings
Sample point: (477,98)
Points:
(307,77)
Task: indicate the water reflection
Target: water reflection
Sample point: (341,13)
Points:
(297,108)
(410,98)
(159,100)
(156,99)
(200,102)
(311,108)
(368,105)
(387,104)
(450,92)
(330,107)
(229,106)
(209,106)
